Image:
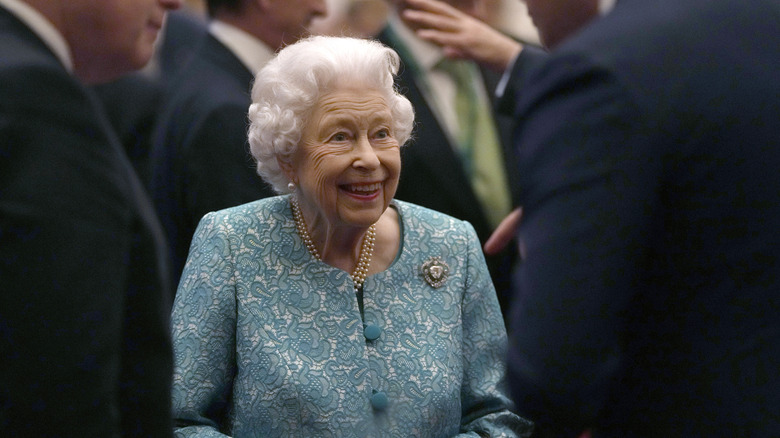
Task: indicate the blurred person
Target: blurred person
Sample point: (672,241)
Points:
(200,160)
(511,17)
(133,101)
(461,35)
(458,164)
(646,303)
(366,18)
(659,259)
(183,33)
(273,335)
(353,18)
(84,298)
(195,6)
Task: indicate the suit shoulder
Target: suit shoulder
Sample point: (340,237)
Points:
(25,63)
(17,49)
(213,73)
(35,87)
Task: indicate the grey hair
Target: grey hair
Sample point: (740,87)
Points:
(286,90)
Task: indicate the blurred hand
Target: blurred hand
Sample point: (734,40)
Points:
(460,35)
(504,233)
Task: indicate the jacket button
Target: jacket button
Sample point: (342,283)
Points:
(379,400)
(372,332)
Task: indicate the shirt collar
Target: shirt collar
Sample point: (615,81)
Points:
(42,27)
(425,54)
(251,51)
(605,6)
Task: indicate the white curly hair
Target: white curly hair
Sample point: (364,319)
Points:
(286,90)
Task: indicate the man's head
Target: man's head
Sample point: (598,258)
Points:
(107,38)
(276,22)
(557,20)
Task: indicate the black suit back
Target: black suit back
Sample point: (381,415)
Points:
(84,296)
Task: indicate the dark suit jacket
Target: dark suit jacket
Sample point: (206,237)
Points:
(517,77)
(648,297)
(131,104)
(84,323)
(200,155)
(432,174)
(184,32)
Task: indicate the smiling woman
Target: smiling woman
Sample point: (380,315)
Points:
(333,309)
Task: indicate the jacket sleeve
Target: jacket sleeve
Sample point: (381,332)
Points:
(204,327)
(589,174)
(484,400)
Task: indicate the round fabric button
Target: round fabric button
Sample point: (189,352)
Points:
(379,400)
(372,332)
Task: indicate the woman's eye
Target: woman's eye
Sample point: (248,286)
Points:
(382,133)
(339,137)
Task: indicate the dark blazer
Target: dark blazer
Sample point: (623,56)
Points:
(184,32)
(648,297)
(517,76)
(200,157)
(131,104)
(432,174)
(84,323)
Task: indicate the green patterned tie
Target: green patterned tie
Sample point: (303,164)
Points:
(478,141)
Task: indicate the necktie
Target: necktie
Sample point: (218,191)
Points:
(478,142)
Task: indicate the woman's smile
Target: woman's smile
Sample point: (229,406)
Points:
(365,191)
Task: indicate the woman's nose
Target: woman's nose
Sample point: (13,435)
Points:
(366,155)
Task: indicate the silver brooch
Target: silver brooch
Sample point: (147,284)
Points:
(435,271)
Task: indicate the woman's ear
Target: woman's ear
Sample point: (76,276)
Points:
(286,165)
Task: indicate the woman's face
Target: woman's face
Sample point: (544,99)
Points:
(348,163)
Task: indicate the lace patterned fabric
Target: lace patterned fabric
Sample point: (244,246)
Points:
(269,342)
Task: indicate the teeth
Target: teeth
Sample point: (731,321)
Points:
(364,187)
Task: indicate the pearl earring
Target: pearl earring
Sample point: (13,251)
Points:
(291,186)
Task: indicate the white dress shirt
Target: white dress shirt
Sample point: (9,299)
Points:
(42,27)
(250,50)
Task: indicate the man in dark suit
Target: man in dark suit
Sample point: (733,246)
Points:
(131,103)
(183,33)
(438,170)
(647,300)
(84,324)
(200,159)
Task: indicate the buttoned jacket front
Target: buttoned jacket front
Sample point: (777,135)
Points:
(270,341)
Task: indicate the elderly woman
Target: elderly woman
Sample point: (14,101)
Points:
(334,310)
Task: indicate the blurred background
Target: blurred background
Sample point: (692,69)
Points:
(364,18)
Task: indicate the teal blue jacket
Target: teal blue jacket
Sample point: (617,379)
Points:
(270,342)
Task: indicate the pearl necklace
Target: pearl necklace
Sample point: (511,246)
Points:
(366,250)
